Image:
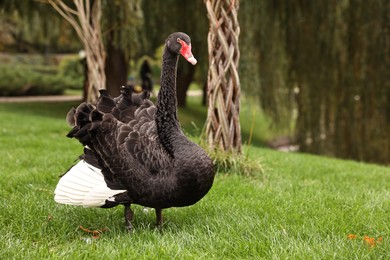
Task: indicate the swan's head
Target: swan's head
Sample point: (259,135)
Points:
(179,42)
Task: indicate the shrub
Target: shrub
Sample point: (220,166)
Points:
(20,80)
(71,71)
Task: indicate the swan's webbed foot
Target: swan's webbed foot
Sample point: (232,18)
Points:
(159,218)
(128,217)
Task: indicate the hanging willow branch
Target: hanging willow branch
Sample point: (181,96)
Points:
(85,19)
(223,124)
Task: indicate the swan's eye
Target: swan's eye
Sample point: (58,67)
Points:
(178,40)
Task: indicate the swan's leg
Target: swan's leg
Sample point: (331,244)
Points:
(159,217)
(128,217)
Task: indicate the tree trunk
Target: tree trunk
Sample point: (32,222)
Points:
(185,75)
(204,94)
(223,123)
(116,70)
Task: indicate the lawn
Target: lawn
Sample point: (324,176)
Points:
(300,207)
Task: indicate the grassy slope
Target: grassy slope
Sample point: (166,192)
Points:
(302,206)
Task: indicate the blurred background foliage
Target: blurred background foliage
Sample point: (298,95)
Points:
(317,68)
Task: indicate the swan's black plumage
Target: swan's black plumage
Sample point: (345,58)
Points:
(141,148)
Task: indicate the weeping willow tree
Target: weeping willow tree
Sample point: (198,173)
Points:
(327,62)
(24,27)
(339,58)
(264,67)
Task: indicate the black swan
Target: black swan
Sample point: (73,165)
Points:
(134,151)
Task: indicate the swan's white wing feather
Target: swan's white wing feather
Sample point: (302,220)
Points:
(83,185)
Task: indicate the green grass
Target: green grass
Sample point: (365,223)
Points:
(300,207)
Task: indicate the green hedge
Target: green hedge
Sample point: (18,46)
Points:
(23,80)
(71,70)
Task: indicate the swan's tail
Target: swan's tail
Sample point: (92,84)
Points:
(87,118)
(83,185)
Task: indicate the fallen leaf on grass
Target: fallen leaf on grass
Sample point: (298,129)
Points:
(370,241)
(95,233)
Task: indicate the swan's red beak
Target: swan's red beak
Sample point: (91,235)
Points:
(186,52)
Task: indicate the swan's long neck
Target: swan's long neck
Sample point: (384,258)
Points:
(166,116)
